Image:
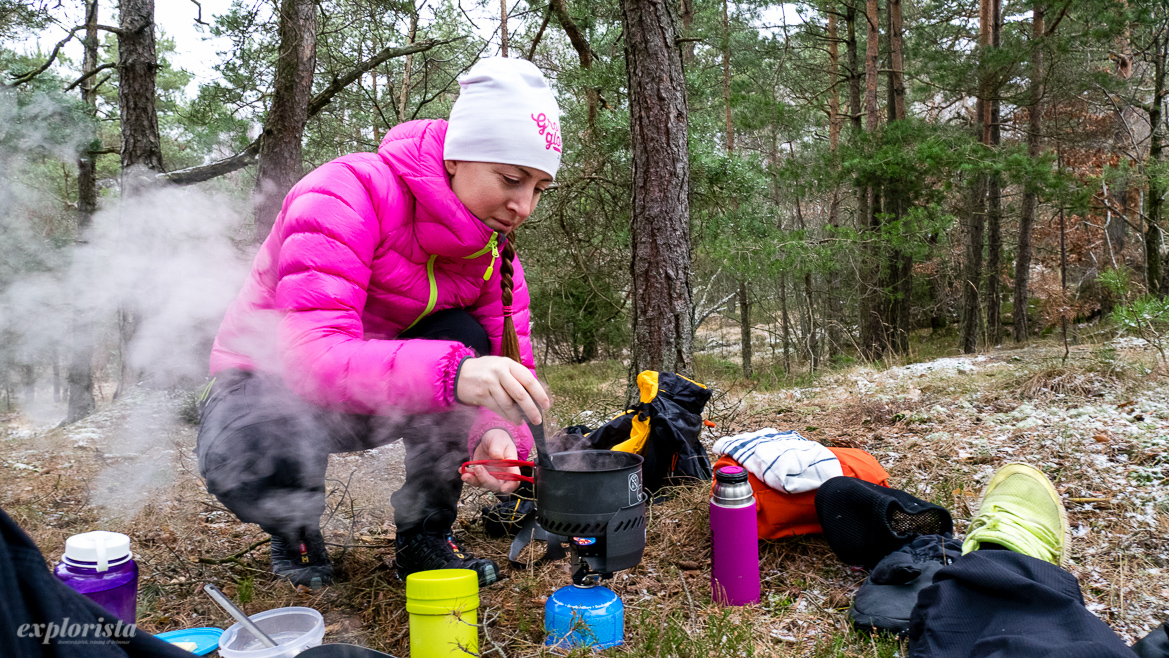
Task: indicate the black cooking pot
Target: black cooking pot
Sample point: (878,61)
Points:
(595,499)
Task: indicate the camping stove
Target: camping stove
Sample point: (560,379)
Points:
(593,499)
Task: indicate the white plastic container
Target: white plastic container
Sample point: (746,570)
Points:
(293,630)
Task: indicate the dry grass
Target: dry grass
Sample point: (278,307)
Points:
(940,433)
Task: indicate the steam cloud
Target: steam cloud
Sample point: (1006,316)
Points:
(167,257)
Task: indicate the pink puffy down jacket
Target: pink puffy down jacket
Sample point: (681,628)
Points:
(364,247)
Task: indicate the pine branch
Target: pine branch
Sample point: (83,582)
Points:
(107,65)
(575,36)
(250,154)
(29,76)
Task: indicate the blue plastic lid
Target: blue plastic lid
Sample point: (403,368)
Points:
(206,639)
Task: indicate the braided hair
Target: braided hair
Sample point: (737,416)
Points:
(511,341)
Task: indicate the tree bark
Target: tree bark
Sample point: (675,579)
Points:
(745,327)
(248,156)
(994,208)
(79,374)
(898,265)
(783,318)
(976,212)
(872,57)
(832,301)
(871,292)
(726,48)
(583,51)
(1030,199)
(405,95)
(854,75)
(897,58)
(662,337)
(1156,190)
(141,143)
(137,69)
(503,28)
(280,164)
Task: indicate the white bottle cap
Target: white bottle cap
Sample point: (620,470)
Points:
(97,550)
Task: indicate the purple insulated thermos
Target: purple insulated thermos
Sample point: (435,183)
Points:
(734,539)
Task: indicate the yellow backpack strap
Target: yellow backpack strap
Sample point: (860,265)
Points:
(638,435)
(647,384)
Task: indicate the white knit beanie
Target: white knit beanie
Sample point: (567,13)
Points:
(505,113)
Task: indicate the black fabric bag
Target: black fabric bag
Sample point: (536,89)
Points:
(33,602)
(884,601)
(1153,645)
(863,522)
(671,407)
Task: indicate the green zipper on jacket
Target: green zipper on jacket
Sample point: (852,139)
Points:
(492,246)
(433,290)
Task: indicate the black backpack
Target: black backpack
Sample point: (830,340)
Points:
(663,427)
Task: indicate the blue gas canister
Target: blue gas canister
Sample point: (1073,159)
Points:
(577,616)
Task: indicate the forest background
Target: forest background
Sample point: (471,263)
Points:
(855,175)
(789,201)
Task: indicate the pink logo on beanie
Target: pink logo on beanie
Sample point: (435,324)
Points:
(550,130)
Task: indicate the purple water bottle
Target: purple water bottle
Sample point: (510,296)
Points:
(734,539)
(99,565)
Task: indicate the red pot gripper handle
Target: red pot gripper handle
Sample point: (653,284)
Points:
(501,463)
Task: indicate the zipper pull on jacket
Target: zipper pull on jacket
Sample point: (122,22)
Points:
(494,244)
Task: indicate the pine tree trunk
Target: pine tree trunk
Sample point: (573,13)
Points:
(854,75)
(972,271)
(662,337)
(856,114)
(405,95)
(1030,199)
(783,317)
(585,53)
(726,48)
(994,212)
(79,374)
(832,301)
(745,327)
(1156,191)
(280,163)
(871,292)
(503,28)
(141,143)
(898,263)
(137,68)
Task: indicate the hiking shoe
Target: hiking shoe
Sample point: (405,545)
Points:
(302,560)
(426,551)
(1020,511)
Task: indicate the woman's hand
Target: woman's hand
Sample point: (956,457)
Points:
(503,386)
(495,444)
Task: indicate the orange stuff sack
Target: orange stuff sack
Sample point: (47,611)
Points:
(786,515)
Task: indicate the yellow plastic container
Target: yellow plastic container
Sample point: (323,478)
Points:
(443,606)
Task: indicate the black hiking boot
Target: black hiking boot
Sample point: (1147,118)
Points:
(303,560)
(428,550)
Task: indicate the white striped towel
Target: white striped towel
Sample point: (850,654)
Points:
(785,461)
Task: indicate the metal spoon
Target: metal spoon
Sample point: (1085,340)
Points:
(239,615)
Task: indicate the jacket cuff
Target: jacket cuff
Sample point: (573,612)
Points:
(448,370)
(489,420)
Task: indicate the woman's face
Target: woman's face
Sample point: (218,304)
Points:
(501,195)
